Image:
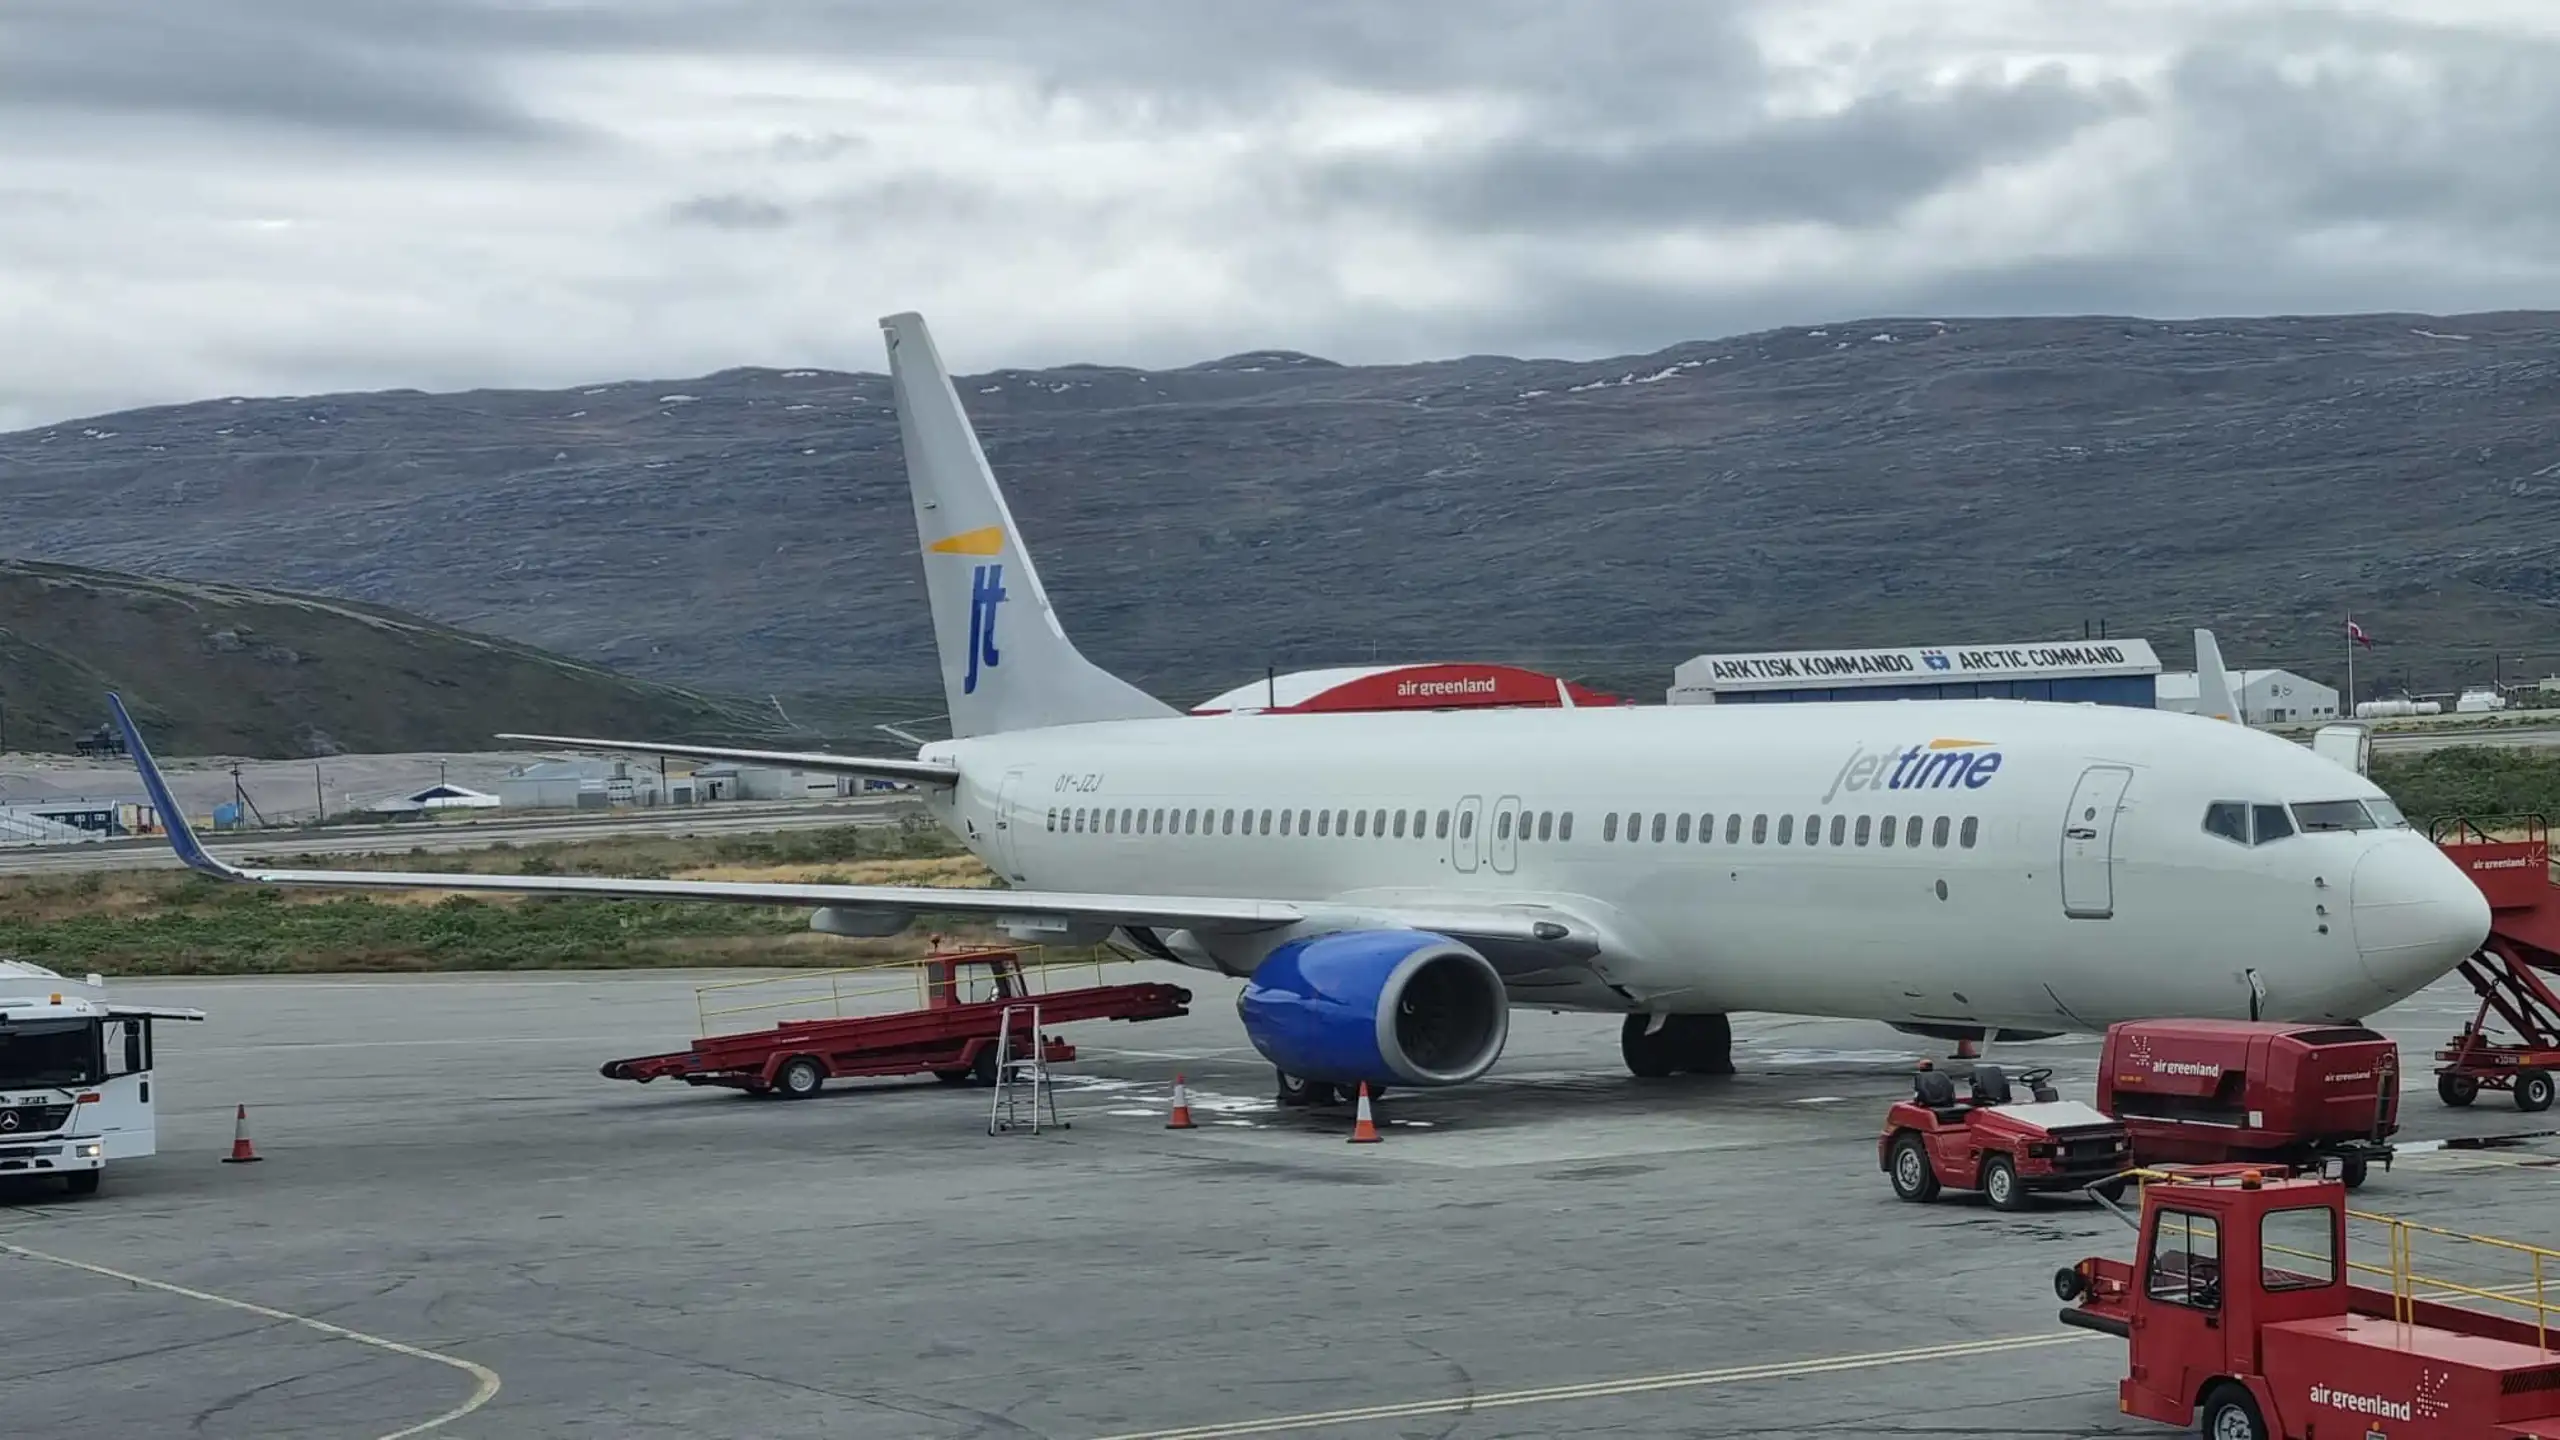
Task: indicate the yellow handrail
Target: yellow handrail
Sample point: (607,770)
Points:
(2406,1279)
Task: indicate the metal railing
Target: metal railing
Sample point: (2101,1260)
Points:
(2409,1284)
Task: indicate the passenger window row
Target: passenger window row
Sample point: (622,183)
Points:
(1842,830)
(1911,832)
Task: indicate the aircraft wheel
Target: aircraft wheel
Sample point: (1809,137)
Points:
(2457,1089)
(1297,1092)
(1706,1046)
(2231,1413)
(1653,1056)
(2001,1185)
(1914,1178)
(2533,1090)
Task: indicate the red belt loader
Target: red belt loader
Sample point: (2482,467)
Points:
(2242,1317)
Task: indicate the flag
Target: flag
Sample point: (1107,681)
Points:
(2355,632)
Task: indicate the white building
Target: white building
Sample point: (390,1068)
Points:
(2267,697)
(593,784)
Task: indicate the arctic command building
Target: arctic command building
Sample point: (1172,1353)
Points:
(2097,672)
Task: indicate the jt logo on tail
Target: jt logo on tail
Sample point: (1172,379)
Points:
(986,592)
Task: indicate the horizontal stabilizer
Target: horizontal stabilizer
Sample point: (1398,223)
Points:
(921,772)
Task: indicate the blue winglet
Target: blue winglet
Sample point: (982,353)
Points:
(182,838)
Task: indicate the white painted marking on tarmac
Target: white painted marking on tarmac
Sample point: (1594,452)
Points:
(1605,1389)
(273,1046)
(482,1393)
(1819,1100)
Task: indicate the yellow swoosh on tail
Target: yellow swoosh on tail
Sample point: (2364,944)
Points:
(985,541)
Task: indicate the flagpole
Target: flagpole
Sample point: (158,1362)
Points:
(2351,669)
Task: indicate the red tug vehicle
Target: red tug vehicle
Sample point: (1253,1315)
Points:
(954,1038)
(2516,973)
(1989,1142)
(2241,1317)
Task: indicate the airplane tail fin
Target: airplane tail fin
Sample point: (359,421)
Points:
(2213,683)
(1006,661)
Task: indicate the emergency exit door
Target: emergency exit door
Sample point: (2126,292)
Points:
(2089,843)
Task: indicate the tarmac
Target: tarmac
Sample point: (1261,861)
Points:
(459,1228)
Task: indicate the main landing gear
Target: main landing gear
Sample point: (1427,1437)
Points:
(1658,1045)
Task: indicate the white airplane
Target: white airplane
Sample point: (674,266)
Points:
(1390,885)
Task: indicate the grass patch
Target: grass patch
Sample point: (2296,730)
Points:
(180,923)
(2475,780)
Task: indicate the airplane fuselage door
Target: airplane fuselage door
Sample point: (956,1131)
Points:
(1467,835)
(1008,795)
(1506,842)
(2089,843)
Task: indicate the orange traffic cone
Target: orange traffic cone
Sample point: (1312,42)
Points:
(1968,1050)
(1181,1108)
(1364,1130)
(242,1153)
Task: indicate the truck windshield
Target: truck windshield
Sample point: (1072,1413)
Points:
(58,1053)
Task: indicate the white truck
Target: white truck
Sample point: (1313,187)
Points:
(75,1076)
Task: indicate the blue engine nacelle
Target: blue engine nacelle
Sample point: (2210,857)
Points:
(1401,1006)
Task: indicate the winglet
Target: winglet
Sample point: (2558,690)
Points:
(2213,683)
(182,837)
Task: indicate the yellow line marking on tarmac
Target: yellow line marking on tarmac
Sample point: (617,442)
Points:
(1605,1389)
(486,1390)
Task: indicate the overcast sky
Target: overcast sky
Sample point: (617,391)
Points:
(290,196)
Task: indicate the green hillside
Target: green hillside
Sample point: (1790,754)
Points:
(216,669)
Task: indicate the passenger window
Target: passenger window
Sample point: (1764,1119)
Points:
(1786,829)
(1681,832)
(1813,829)
(1341,822)
(1284,822)
(1303,817)
(2272,823)
(1635,825)
(1324,822)
(1759,829)
(1053,817)
(1733,829)
(1609,826)
(1378,827)
(1885,831)
(1440,827)
(2228,819)
(2186,1261)
(1658,825)
(1266,822)
(1360,823)
(1839,828)
(1938,833)
(1546,825)
(1972,827)
(2297,1249)
(1160,825)
(1706,829)
(1399,824)
(1911,834)
(1866,828)
(1564,826)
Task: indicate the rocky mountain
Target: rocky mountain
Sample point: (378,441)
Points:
(1870,481)
(222,669)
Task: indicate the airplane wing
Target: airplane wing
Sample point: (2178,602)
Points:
(921,772)
(1548,930)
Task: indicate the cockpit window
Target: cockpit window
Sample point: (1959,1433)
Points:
(2269,823)
(2228,819)
(2387,814)
(2319,815)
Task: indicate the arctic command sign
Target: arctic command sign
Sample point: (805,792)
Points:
(2106,672)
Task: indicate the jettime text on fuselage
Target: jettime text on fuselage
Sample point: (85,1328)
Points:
(1928,765)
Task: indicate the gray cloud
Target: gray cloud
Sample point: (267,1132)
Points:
(297,195)
(1856,167)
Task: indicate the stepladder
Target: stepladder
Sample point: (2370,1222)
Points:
(1023,1088)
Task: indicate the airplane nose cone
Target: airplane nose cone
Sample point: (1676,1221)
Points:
(2416,914)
